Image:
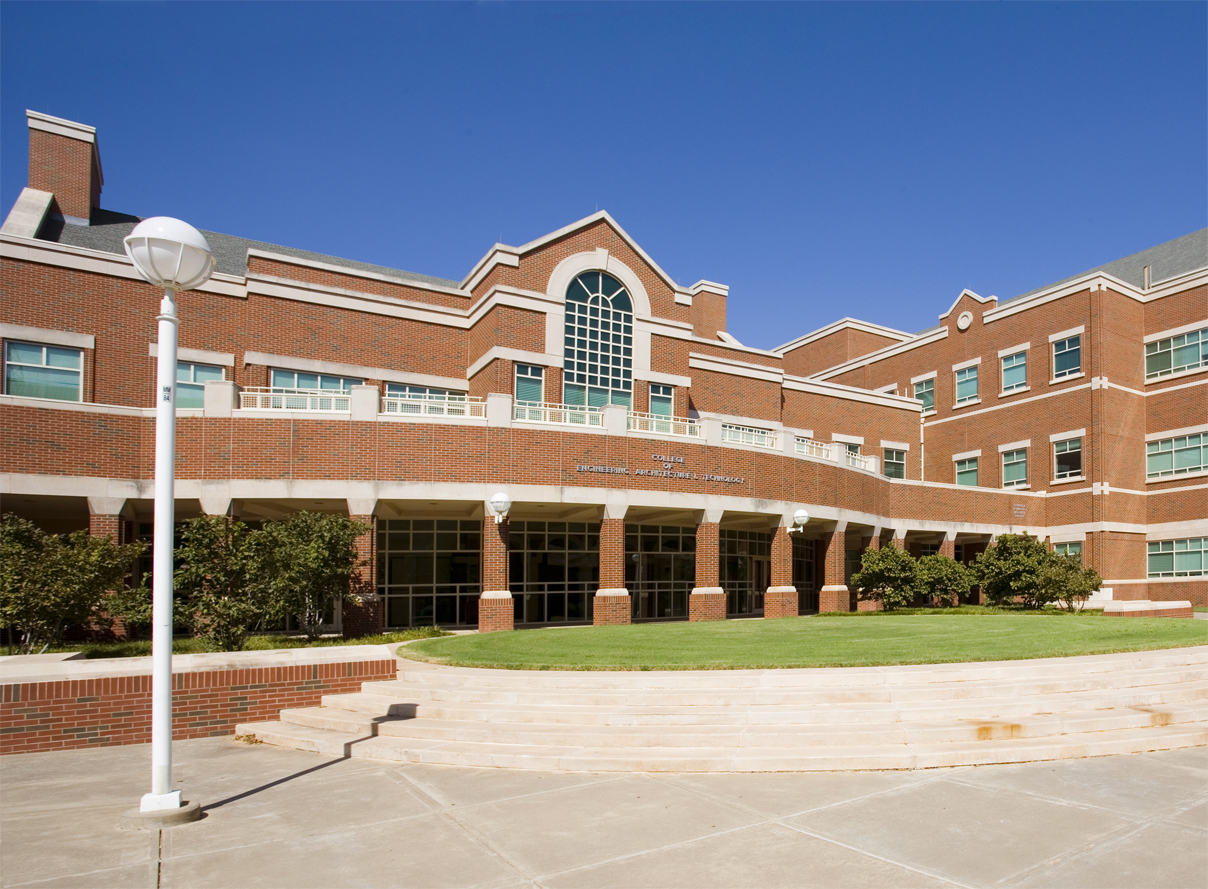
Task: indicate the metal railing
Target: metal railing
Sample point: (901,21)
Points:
(557,414)
(267,398)
(760,438)
(811,448)
(641,422)
(433,406)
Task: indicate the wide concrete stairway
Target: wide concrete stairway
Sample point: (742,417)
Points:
(764,720)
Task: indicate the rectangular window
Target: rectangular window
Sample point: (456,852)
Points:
(1067,357)
(925,392)
(966,472)
(422,393)
(895,464)
(191,383)
(1014,468)
(290,379)
(1069,549)
(660,400)
(1015,372)
(1184,352)
(43,371)
(1067,456)
(929,549)
(530,384)
(1177,558)
(966,384)
(1176,456)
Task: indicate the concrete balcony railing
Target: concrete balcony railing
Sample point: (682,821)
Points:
(662,425)
(748,435)
(428,406)
(267,398)
(817,449)
(557,414)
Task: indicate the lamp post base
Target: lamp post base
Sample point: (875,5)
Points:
(137,819)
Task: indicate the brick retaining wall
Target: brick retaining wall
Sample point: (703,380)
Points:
(40,713)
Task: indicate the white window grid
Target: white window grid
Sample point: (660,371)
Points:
(760,438)
(1063,453)
(291,381)
(1015,468)
(191,379)
(966,384)
(598,337)
(1068,352)
(58,361)
(1177,558)
(530,382)
(1176,354)
(1176,456)
(924,391)
(1015,372)
(966,472)
(895,463)
(1069,549)
(661,400)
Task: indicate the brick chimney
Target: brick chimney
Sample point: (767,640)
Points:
(708,309)
(64,160)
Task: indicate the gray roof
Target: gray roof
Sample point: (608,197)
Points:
(107,229)
(1165,261)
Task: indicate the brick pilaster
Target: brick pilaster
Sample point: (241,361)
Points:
(495,607)
(780,600)
(707,600)
(867,543)
(612,602)
(834,595)
(108,526)
(366,618)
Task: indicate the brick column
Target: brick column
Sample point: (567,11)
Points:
(107,518)
(781,598)
(834,595)
(612,603)
(366,617)
(495,608)
(708,600)
(867,543)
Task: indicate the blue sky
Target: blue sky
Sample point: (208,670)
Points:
(822,159)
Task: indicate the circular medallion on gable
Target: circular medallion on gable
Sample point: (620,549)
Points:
(964,320)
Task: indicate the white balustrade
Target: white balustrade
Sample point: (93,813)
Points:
(435,406)
(811,448)
(267,398)
(663,425)
(557,414)
(857,461)
(760,438)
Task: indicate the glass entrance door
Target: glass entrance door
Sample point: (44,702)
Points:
(745,570)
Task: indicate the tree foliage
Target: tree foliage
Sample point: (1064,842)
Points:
(49,582)
(304,564)
(888,576)
(944,579)
(1010,570)
(216,594)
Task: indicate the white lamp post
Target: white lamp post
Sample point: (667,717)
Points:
(173,255)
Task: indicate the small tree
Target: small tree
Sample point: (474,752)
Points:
(1011,569)
(1064,580)
(944,579)
(304,564)
(219,604)
(888,576)
(50,582)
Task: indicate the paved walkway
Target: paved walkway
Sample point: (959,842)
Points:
(281,818)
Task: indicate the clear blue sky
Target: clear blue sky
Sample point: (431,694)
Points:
(823,160)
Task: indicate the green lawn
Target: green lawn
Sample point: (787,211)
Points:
(868,639)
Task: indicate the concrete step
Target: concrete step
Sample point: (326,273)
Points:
(995,689)
(845,757)
(301,737)
(1044,668)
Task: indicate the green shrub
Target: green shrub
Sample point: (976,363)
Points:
(888,576)
(217,599)
(944,579)
(1065,581)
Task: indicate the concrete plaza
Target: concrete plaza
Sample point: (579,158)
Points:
(282,818)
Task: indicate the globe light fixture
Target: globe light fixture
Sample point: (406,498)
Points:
(174,256)
(800,517)
(501,504)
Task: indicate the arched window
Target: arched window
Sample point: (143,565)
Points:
(598,365)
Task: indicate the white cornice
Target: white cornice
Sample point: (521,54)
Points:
(1094,280)
(99,262)
(354,273)
(735,368)
(922,339)
(60,127)
(498,255)
(48,337)
(850,393)
(969,293)
(503,352)
(843,324)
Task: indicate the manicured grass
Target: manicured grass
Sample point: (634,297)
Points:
(868,639)
(142,648)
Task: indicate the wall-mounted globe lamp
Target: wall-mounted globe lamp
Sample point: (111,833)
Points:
(800,517)
(501,505)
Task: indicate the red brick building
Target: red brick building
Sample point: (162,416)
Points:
(654,463)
